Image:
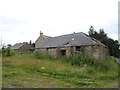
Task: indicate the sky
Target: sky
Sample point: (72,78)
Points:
(22,20)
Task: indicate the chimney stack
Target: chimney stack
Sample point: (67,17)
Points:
(41,33)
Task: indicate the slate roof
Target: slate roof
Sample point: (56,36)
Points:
(17,46)
(75,39)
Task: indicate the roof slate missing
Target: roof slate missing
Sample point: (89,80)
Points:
(75,39)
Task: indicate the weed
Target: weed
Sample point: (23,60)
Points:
(73,70)
(40,56)
(9,74)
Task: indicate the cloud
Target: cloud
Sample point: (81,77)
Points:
(8,20)
(8,24)
(22,20)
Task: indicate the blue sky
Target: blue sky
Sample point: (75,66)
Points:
(22,20)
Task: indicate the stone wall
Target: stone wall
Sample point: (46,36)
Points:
(39,40)
(69,51)
(25,49)
(55,52)
(50,51)
(97,51)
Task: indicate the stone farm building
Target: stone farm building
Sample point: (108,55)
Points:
(71,44)
(22,48)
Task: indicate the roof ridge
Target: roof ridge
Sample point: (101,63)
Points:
(75,39)
(67,34)
(18,45)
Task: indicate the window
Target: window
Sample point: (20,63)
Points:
(78,48)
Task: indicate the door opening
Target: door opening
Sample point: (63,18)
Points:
(63,52)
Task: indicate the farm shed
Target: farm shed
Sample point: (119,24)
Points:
(22,48)
(71,44)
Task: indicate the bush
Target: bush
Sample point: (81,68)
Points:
(40,56)
(104,65)
(79,59)
(90,70)
(7,52)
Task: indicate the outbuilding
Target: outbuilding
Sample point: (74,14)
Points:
(22,48)
(71,44)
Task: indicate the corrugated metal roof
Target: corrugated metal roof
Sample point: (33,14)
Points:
(75,39)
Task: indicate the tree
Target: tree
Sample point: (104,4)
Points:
(33,44)
(7,51)
(30,42)
(91,32)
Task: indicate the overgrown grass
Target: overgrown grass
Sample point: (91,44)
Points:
(65,71)
(103,65)
(40,56)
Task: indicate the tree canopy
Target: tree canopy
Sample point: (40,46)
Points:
(7,51)
(32,44)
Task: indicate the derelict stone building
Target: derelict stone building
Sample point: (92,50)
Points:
(71,44)
(22,48)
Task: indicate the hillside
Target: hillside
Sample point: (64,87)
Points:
(26,71)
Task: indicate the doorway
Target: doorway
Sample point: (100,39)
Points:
(63,52)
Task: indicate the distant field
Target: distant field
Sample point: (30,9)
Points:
(27,72)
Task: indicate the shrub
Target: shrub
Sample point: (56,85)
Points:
(79,59)
(104,65)
(40,56)
(90,70)
(7,52)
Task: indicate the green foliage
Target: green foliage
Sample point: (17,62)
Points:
(9,74)
(82,60)
(32,44)
(98,64)
(87,75)
(105,65)
(79,59)
(40,56)
(7,51)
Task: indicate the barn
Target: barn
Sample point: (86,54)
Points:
(71,44)
(22,48)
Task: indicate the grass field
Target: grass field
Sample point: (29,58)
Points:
(25,71)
